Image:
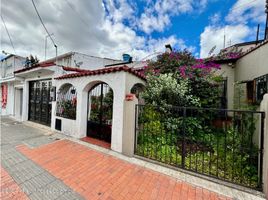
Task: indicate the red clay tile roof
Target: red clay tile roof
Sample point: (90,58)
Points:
(103,71)
(228,60)
(73,69)
(48,64)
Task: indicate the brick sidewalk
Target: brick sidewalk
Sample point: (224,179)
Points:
(9,188)
(98,176)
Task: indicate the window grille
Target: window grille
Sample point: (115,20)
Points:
(261,87)
(66,102)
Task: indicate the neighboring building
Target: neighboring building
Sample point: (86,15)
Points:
(26,89)
(10,85)
(245,67)
(243,47)
(83,61)
(16,88)
(80,102)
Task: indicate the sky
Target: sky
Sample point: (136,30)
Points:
(141,28)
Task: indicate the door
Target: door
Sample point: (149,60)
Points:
(18,103)
(39,101)
(100,111)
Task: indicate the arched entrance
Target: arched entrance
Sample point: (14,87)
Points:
(100,112)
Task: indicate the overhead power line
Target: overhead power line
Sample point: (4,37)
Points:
(56,47)
(81,18)
(43,24)
(242,5)
(8,34)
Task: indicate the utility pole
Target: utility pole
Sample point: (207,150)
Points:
(46,44)
(266,26)
(224,38)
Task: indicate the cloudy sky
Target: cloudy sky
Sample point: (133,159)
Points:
(109,28)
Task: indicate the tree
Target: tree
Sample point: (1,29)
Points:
(179,79)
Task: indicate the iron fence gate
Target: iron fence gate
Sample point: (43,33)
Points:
(224,144)
(100,112)
(39,101)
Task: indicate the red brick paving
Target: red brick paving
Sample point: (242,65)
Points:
(9,188)
(99,176)
(97,142)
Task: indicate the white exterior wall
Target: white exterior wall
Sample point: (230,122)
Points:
(7,77)
(121,84)
(252,65)
(67,61)
(92,62)
(10,65)
(83,61)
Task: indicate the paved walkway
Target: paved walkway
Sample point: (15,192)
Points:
(33,180)
(46,168)
(9,188)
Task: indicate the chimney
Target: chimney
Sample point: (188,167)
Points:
(168,48)
(257,36)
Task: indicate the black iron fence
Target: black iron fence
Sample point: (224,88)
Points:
(225,144)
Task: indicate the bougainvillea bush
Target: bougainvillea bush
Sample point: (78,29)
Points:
(179,79)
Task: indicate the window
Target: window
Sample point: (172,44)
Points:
(261,87)
(250,92)
(66,102)
(223,98)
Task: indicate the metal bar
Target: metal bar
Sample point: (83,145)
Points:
(233,145)
(260,183)
(183,140)
(135,129)
(225,143)
(213,109)
(241,145)
(218,151)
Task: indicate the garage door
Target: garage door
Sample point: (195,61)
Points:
(39,101)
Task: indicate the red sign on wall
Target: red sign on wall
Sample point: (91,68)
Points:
(130,97)
(4,95)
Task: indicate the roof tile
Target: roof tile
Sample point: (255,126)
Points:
(103,71)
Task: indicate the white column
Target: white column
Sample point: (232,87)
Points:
(118,120)
(81,113)
(25,101)
(129,127)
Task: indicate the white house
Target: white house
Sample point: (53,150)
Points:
(83,61)
(245,67)
(10,85)
(63,95)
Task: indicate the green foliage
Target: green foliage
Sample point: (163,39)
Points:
(102,106)
(178,79)
(225,152)
(167,89)
(67,109)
